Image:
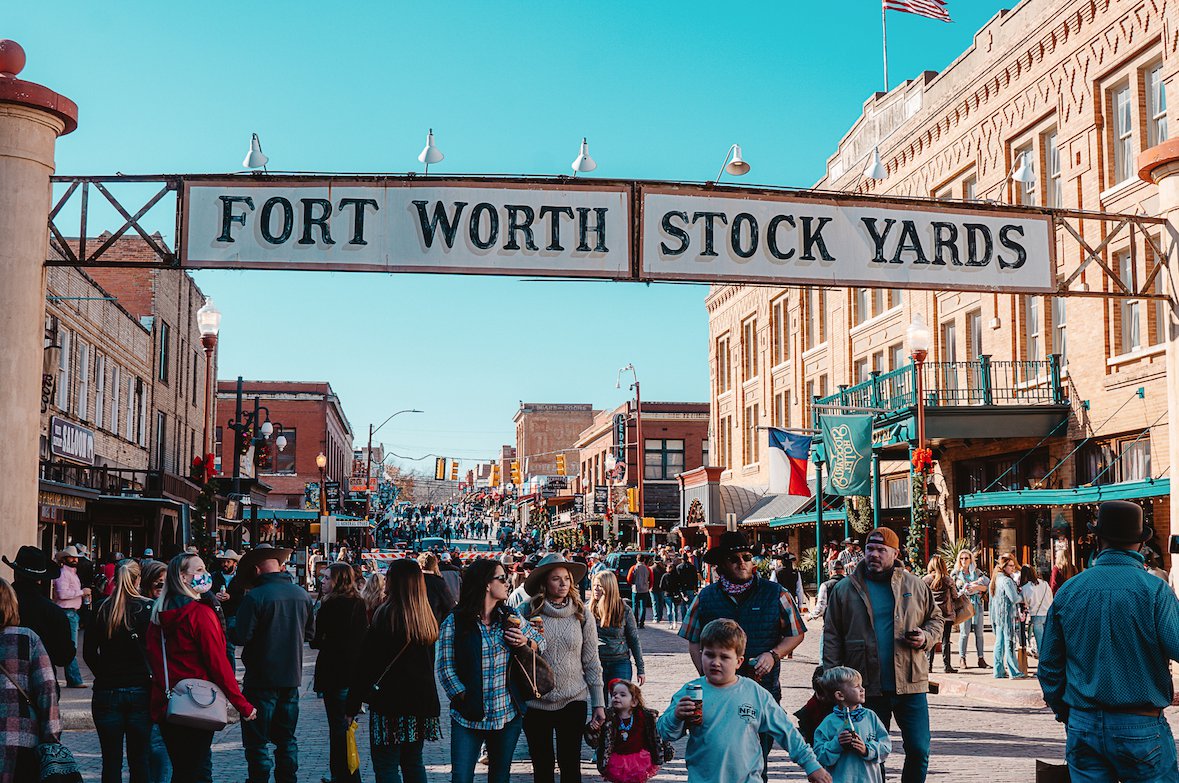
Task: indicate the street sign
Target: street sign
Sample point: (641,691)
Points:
(332,491)
(579,504)
(601,500)
(648,521)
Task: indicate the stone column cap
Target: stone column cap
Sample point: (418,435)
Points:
(1156,157)
(31,94)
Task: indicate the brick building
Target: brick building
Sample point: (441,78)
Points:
(1080,89)
(543,430)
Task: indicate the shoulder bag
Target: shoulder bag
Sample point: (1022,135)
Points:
(57,764)
(528,671)
(377,683)
(196,703)
(963,609)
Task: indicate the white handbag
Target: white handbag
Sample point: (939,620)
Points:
(196,703)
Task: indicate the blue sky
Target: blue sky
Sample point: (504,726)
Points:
(660,89)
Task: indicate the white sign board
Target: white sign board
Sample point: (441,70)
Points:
(393,225)
(790,239)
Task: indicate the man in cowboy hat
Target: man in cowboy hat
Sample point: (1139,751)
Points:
(230,599)
(32,571)
(851,554)
(272,623)
(1109,638)
(68,593)
(764,609)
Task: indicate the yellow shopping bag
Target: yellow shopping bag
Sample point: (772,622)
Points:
(353,752)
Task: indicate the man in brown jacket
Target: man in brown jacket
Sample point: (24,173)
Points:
(880,621)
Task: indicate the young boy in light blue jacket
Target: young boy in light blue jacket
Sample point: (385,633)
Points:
(723,742)
(851,741)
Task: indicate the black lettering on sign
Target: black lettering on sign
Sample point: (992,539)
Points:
(772,236)
(910,242)
(744,218)
(227,216)
(288,220)
(879,238)
(554,214)
(945,241)
(1021,253)
(430,224)
(584,229)
(978,254)
(520,219)
(358,205)
(310,220)
(483,208)
(812,236)
(709,217)
(676,232)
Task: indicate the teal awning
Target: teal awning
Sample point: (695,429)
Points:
(830,515)
(292,515)
(1126,490)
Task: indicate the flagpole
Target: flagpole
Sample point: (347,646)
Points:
(884,41)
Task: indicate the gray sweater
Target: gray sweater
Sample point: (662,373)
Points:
(620,642)
(571,650)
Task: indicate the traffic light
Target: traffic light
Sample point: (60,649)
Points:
(632,499)
(516,473)
(440,469)
(561,465)
(495,474)
(454,470)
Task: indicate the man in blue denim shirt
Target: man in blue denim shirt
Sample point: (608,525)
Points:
(1110,635)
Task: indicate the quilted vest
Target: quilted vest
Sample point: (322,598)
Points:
(758,612)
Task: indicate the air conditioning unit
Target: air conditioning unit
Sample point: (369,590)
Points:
(731,522)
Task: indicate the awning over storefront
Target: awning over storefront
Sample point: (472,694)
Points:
(772,507)
(833,513)
(1126,490)
(291,515)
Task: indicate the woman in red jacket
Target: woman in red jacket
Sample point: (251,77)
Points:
(196,648)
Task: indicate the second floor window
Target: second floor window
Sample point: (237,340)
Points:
(781,331)
(723,369)
(749,349)
(1060,328)
(1156,106)
(1129,310)
(1053,171)
(1027,190)
(752,420)
(165,337)
(1123,130)
(1034,327)
(664,459)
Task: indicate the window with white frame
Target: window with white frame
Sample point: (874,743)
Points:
(970,188)
(1156,106)
(1027,190)
(1060,328)
(99,389)
(780,325)
(860,312)
(896,297)
(164,351)
(816,317)
(749,367)
(896,356)
(1033,328)
(116,396)
(129,423)
(141,415)
(782,409)
(82,399)
(973,335)
(63,370)
(724,378)
(750,450)
(1053,171)
(878,361)
(1123,133)
(860,369)
(1129,309)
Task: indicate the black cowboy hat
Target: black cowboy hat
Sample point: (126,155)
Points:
(1120,521)
(34,563)
(254,556)
(731,542)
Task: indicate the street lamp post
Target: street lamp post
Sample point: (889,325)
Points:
(247,422)
(640,450)
(918,337)
(368,469)
(209,324)
(321,463)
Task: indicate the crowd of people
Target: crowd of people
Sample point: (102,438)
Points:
(547,646)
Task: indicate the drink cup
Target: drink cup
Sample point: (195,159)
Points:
(696,694)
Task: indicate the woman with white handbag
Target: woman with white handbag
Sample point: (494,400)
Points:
(191,678)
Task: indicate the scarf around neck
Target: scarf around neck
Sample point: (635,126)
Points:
(734,588)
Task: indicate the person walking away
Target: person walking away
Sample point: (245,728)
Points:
(68,594)
(729,716)
(372,592)
(437,591)
(658,596)
(971,582)
(1113,711)
(571,650)
(881,620)
(451,572)
(851,741)
(688,581)
(1005,602)
(945,593)
(229,600)
(28,694)
(1037,597)
(151,585)
(639,579)
(472,666)
(273,621)
(628,748)
(789,578)
(340,626)
(763,608)
(115,649)
(395,676)
(1062,570)
(190,633)
(618,635)
(32,571)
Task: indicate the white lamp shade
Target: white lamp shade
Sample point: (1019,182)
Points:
(1025,172)
(254,158)
(208,319)
(321,461)
(737,166)
(267,428)
(917,335)
(583,163)
(875,168)
(430,153)
(281,442)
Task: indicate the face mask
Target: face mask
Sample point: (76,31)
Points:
(201,583)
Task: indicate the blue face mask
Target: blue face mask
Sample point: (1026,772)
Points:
(201,583)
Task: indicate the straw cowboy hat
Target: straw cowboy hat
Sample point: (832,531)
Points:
(69,551)
(34,564)
(533,584)
(229,554)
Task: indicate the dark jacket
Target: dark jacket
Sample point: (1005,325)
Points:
(119,661)
(230,606)
(439,594)
(47,620)
(272,623)
(340,625)
(603,740)
(409,687)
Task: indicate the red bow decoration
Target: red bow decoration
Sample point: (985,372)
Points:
(923,460)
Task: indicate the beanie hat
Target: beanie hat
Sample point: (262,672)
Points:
(884,535)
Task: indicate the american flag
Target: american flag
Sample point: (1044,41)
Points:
(933,9)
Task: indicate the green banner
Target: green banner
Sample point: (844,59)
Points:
(847,441)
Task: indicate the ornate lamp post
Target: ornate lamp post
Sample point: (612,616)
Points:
(243,424)
(918,337)
(209,323)
(640,446)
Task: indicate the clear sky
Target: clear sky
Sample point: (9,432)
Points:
(660,89)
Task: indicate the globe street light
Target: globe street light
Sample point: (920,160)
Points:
(209,323)
(918,337)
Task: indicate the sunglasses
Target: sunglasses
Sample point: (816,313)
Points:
(743,557)
(503,578)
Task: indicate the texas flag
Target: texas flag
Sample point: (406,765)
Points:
(789,455)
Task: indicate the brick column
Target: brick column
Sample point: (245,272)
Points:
(1160,165)
(31,119)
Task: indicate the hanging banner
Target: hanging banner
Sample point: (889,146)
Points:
(847,441)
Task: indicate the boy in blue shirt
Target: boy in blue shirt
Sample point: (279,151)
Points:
(851,741)
(724,747)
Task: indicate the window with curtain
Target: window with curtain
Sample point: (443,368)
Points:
(1129,310)
(1123,134)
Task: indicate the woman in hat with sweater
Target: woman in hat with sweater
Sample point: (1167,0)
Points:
(571,650)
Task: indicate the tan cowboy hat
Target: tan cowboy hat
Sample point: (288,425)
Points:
(69,551)
(257,555)
(229,554)
(532,585)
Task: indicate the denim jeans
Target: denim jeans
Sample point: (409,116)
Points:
(394,763)
(611,670)
(668,612)
(1006,661)
(119,713)
(975,623)
(73,674)
(566,725)
(230,650)
(641,602)
(1037,623)
(333,704)
(158,762)
(657,604)
(682,613)
(912,713)
(1104,747)
(278,715)
(466,744)
(190,751)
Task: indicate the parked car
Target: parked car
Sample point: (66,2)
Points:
(620,563)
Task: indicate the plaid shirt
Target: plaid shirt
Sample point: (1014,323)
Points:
(498,708)
(24,657)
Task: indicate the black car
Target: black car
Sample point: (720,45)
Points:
(620,563)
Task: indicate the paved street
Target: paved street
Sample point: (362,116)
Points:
(966,731)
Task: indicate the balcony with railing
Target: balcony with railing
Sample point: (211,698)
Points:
(122,482)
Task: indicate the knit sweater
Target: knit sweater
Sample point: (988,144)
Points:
(571,650)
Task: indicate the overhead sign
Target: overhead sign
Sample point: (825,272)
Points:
(398,225)
(71,441)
